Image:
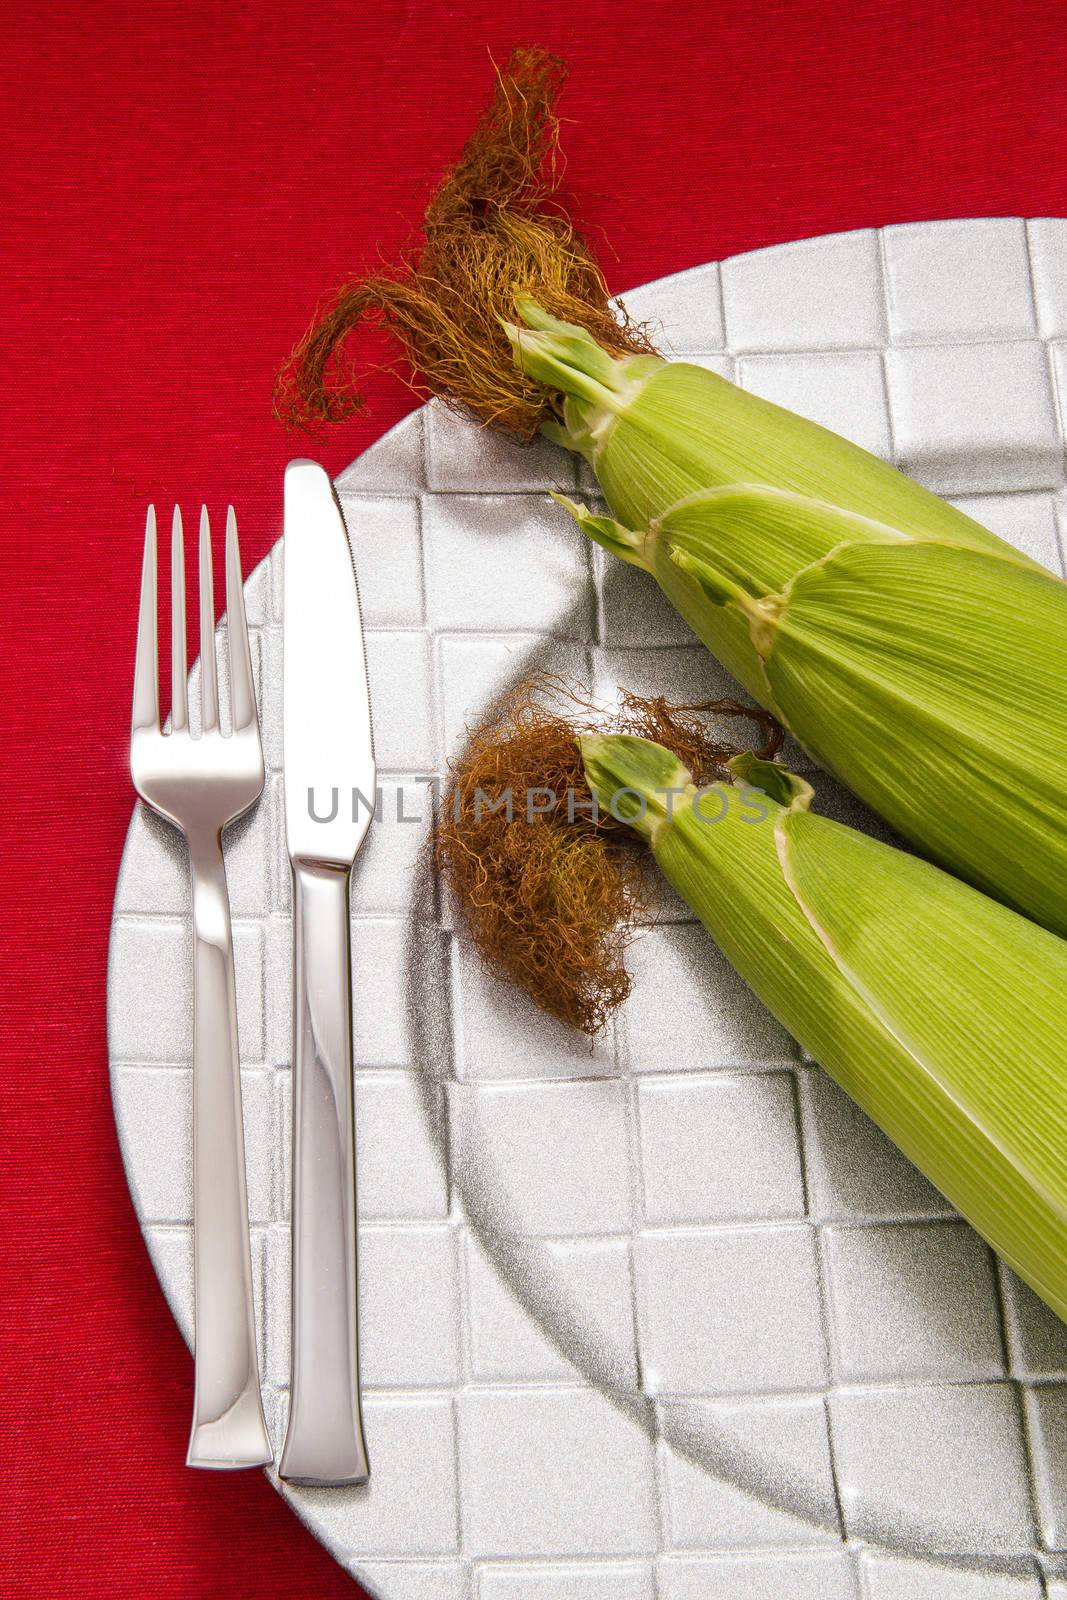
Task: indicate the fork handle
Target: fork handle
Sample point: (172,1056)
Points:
(228,1426)
(324,1440)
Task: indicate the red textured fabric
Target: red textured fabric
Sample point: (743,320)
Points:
(181,183)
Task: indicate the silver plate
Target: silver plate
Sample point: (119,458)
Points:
(631,1333)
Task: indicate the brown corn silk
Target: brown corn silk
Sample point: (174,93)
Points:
(551,897)
(492,230)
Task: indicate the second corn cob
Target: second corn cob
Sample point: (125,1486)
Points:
(940,1012)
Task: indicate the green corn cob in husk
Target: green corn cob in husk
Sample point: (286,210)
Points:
(940,1012)
(910,651)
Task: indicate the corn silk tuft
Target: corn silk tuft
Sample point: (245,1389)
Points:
(551,897)
(493,232)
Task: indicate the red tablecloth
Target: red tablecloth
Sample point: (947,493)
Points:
(182,181)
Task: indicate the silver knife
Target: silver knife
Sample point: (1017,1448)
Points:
(329,761)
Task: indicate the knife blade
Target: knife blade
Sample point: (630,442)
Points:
(329,780)
(329,750)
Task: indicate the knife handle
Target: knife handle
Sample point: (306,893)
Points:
(324,1439)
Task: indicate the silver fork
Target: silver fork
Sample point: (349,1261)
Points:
(199,784)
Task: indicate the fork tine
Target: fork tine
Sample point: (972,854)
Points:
(146,663)
(242,694)
(179,709)
(209,681)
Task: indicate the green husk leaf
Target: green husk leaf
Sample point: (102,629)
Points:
(772,779)
(671,429)
(555,353)
(973,997)
(605,531)
(717,587)
(931,680)
(632,778)
(940,1012)
(762,537)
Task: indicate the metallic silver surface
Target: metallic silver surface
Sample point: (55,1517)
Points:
(200,784)
(329,754)
(328,750)
(669,1320)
